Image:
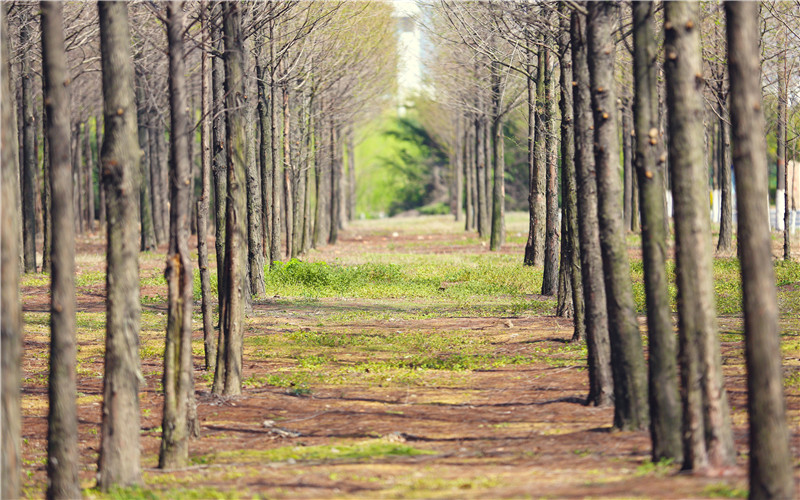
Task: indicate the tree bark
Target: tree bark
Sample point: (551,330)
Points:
(771,468)
(275,246)
(11,331)
(228,377)
(498,159)
(29,166)
(601,384)
(62,431)
(265,162)
(148,239)
(323,173)
(288,170)
(480,156)
(665,404)
(707,433)
(550,274)
(178,378)
(725,241)
(47,224)
(255,254)
(121,156)
(100,188)
(627,358)
(203,204)
(219,160)
(87,153)
(351,177)
(570,239)
(627,164)
(336,183)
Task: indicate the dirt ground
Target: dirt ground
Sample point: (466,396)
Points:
(505,431)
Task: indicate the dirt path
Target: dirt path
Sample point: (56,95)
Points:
(370,398)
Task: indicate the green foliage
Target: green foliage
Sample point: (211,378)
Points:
(722,490)
(435,209)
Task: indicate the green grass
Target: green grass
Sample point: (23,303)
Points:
(364,450)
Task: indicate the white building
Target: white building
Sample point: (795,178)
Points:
(409,71)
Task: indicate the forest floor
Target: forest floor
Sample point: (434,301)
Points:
(407,361)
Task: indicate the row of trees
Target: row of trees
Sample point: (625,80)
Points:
(272,91)
(632,76)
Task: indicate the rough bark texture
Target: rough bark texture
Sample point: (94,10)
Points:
(87,153)
(228,377)
(531,87)
(535,252)
(47,226)
(28,166)
(203,204)
(62,421)
(550,273)
(705,403)
(601,385)
(627,164)
(480,160)
(498,160)
(725,241)
(148,237)
(255,254)
(10,306)
(118,464)
(101,190)
(570,239)
(264,158)
(665,404)
(770,456)
(275,246)
(219,159)
(157,152)
(336,183)
(288,173)
(178,380)
(627,358)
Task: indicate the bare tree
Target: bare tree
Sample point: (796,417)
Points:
(771,471)
(62,432)
(118,464)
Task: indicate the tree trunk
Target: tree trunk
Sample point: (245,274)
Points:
(771,461)
(725,242)
(87,153)
(351,177)
(264,155)
(665,404)
(539,177)
(11,331)
(148,239)
(336,184)
(480,155)
(601,385)
(627,358)
(219,159)
(275,246)
(321,217)
(255,254)
(76,177)
(162,176)
(203,204)
(707,432)
(100,187)
(550,274)
(570,257)
(156,137)
(47,225)
(498,159)
(228,377)
(62,431)
(178,379)
(782,192)
(121,156)
(469,205)
(288,169)
(29,166)
(627,164)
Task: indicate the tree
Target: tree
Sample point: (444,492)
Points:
(62,430)
(707,433)
(601,386)
(771,471)
(627,358)
(665,406)
(550,272)
(228,374)
(28,153)
(10,307)
(177,421)
(118,464)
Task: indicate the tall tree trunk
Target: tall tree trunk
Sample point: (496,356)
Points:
(336,184)
(77,170)
(275,246)
(203,204)
(531,87)
(121,156)
(498,159)
(228,377)
(480,156)
(288,169)
(782,193)
(62,430)
(627,163)
(550,274)
(707,433)
(771,461)
(178,378)
(100,187)
(148,239)
(725,242)
(162,175)
(29,166)
(323,173)
(219,159)
(351,177)
(601,384)
(539,177)
(47,225)
(255,254)
(469,175)
(627,358)
(570,239)
(665,404)
(87,152)
(265,162)
(10,307)
(156,139)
